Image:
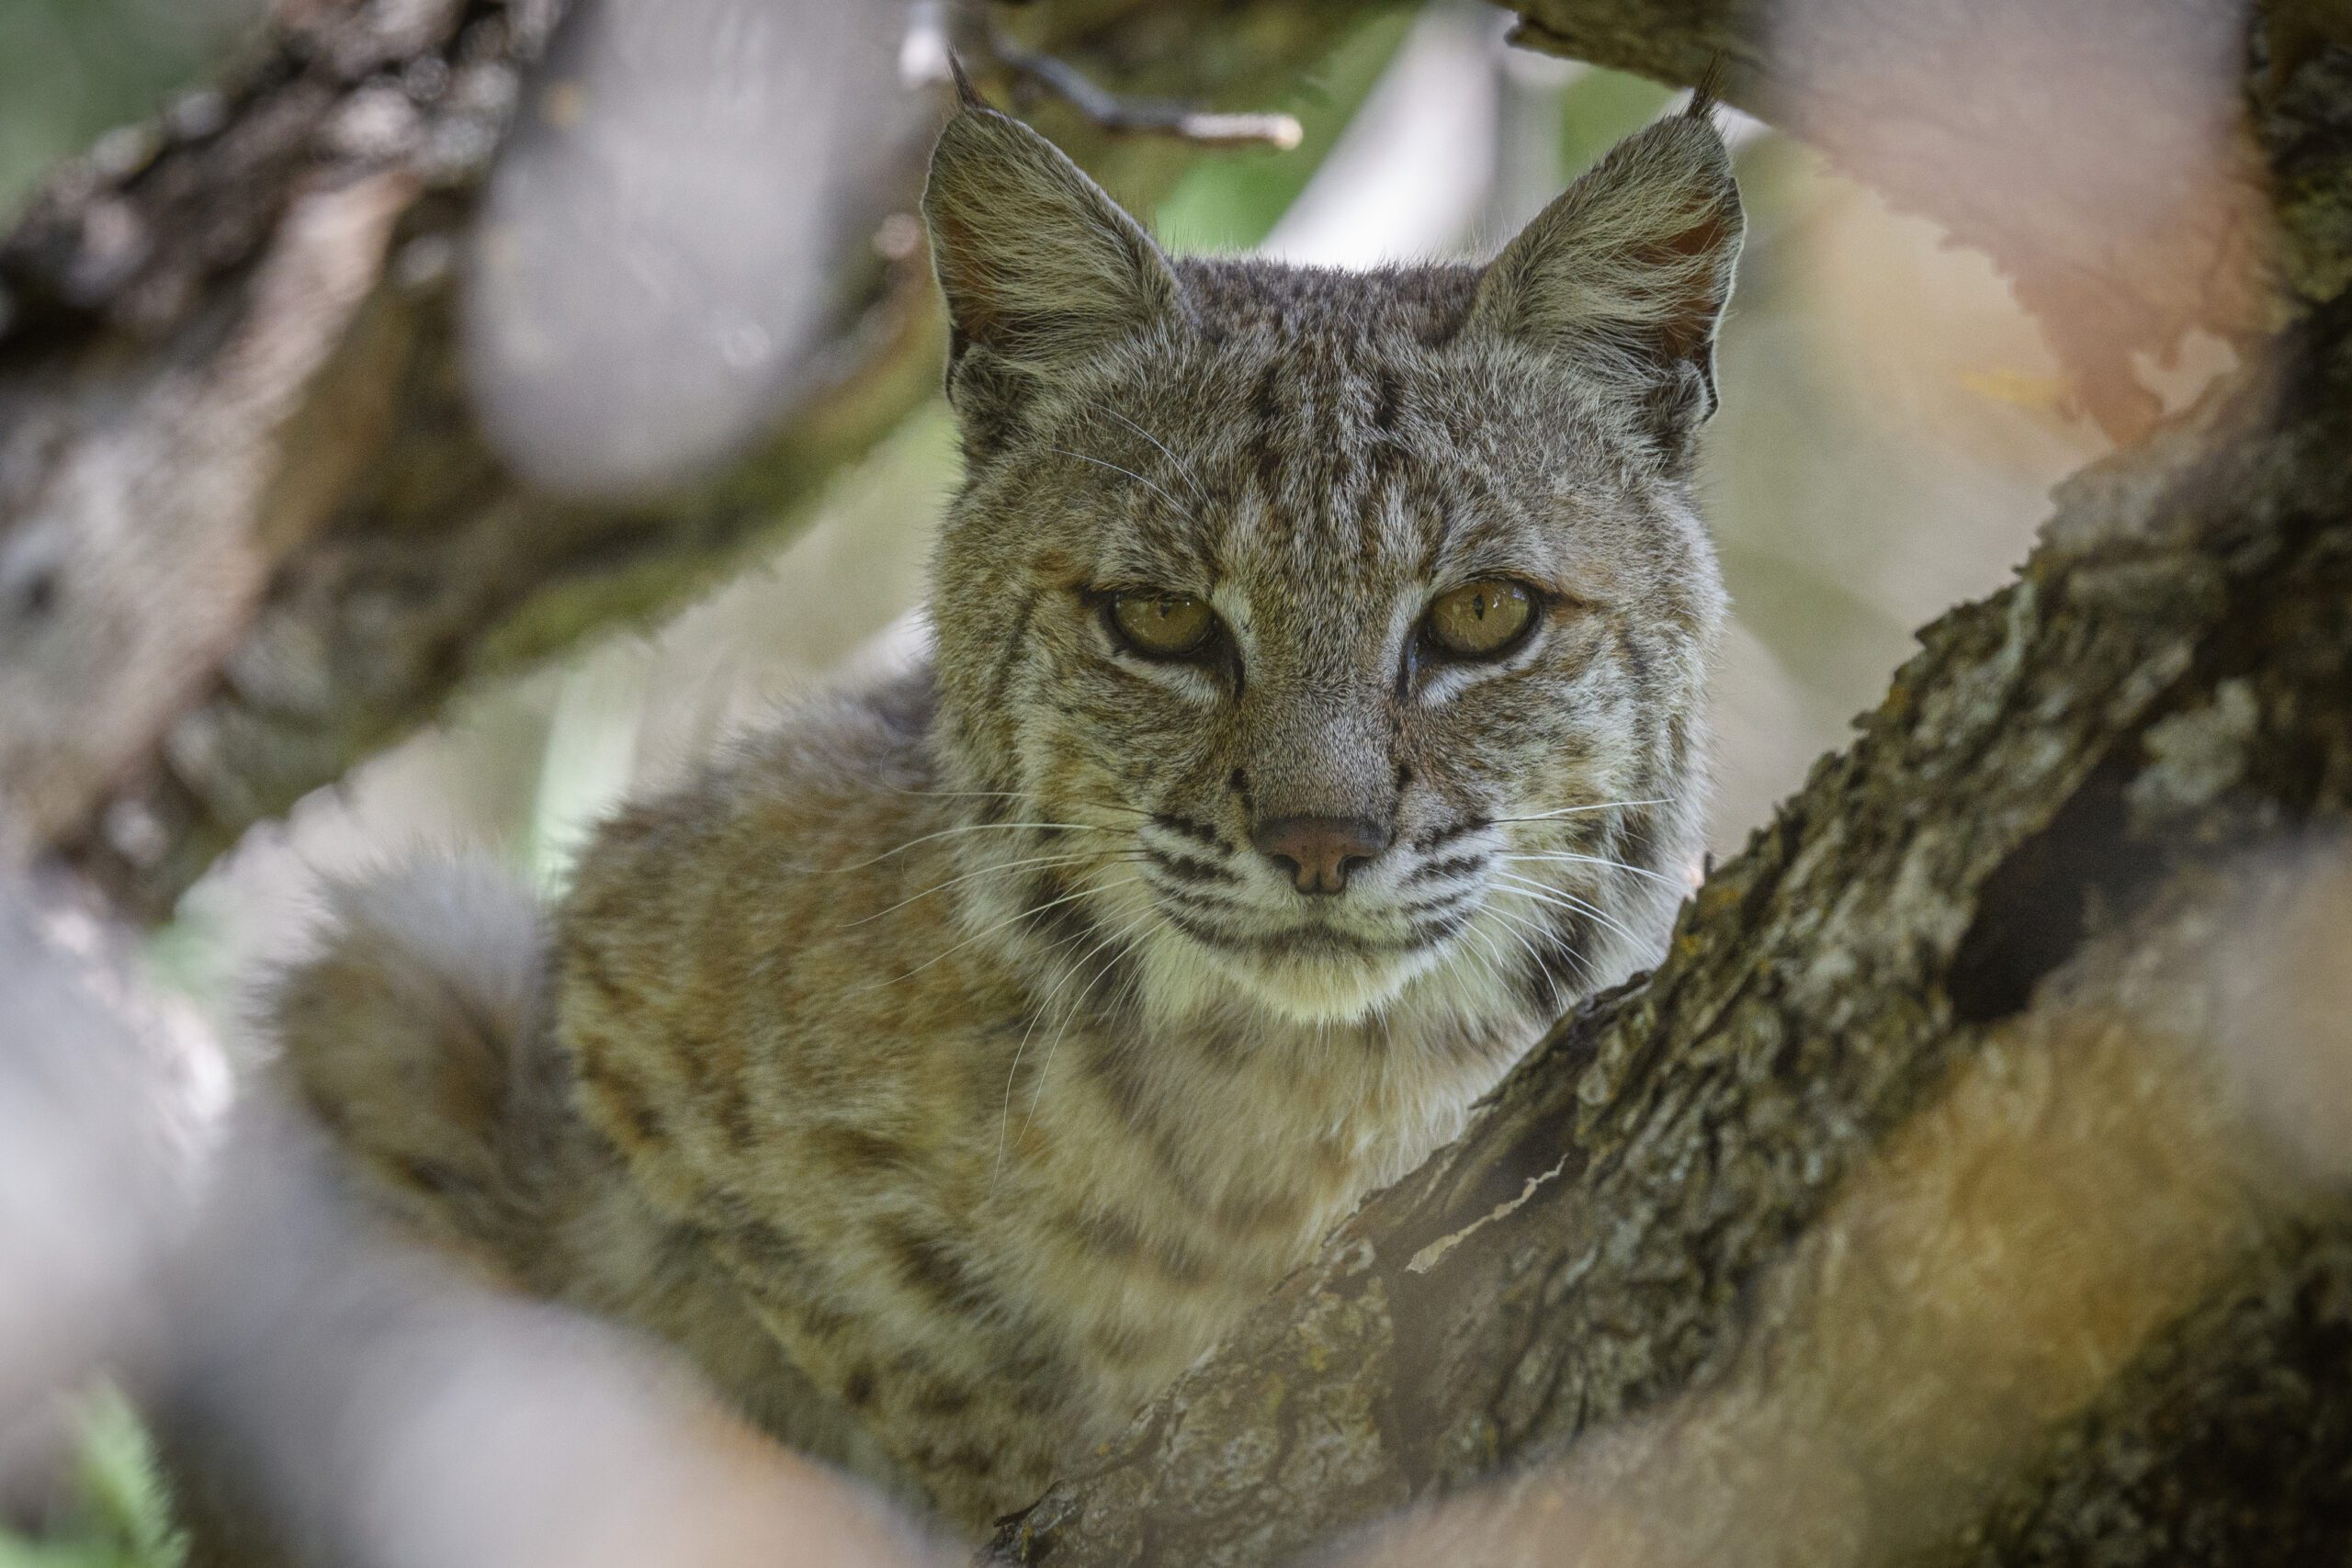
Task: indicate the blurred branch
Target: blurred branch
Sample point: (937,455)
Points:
(250,528)
(1130,116)
(2114,158)
(107,1106)
(940,32)
(331,1396)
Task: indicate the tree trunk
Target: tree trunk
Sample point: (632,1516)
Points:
(1964,1185)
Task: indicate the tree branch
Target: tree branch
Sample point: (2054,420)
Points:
(1132,116)
(2099,151)
(942,35)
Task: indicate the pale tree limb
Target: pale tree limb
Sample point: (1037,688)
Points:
(107,1103)
(2096,150)
(333,1394)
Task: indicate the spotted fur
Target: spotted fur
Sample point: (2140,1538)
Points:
(945,1069)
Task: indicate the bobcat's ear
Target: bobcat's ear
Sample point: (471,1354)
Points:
(1627,272)
(1039,266)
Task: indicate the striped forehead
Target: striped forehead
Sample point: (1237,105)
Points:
(1331,427)
(1288,461)
(1322,473)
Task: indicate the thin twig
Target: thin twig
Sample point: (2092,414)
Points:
(939,32)
(1144,117)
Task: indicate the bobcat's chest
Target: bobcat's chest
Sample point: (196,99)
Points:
(1151,1201)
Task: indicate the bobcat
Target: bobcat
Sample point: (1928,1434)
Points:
(1314,711)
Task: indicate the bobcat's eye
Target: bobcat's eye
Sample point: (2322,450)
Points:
(1162,625)
(1483,619)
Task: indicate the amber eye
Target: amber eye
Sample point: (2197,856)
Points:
(1482,619)
(1162,625)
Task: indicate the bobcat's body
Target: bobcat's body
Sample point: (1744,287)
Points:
(947,1069)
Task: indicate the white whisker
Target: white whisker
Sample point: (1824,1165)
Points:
(1005,795)
(1565,899)
(1068,1016)
(1577,811)
(1182,467)
(1564,856)
(1131,474)
(1520,923)
(991,930)
(1481,945)
(1013,1074)
(951,832)
(968,876)
(1551,938)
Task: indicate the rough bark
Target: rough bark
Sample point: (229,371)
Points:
(1624,1282)
(251,529)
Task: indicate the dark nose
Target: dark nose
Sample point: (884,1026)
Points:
(1320,851)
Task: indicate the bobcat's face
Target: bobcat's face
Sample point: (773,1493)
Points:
(1340,636)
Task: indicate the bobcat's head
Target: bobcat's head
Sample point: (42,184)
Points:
(1343,635)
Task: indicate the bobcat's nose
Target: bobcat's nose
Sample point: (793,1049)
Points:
(1319,851)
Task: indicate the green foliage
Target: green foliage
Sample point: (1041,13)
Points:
(119,1513)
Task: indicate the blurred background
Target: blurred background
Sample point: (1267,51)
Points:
(1892,423)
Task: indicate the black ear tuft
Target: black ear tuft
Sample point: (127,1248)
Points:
(966,96)
(1708,92)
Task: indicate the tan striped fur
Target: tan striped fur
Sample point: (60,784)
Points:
(944,1069)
